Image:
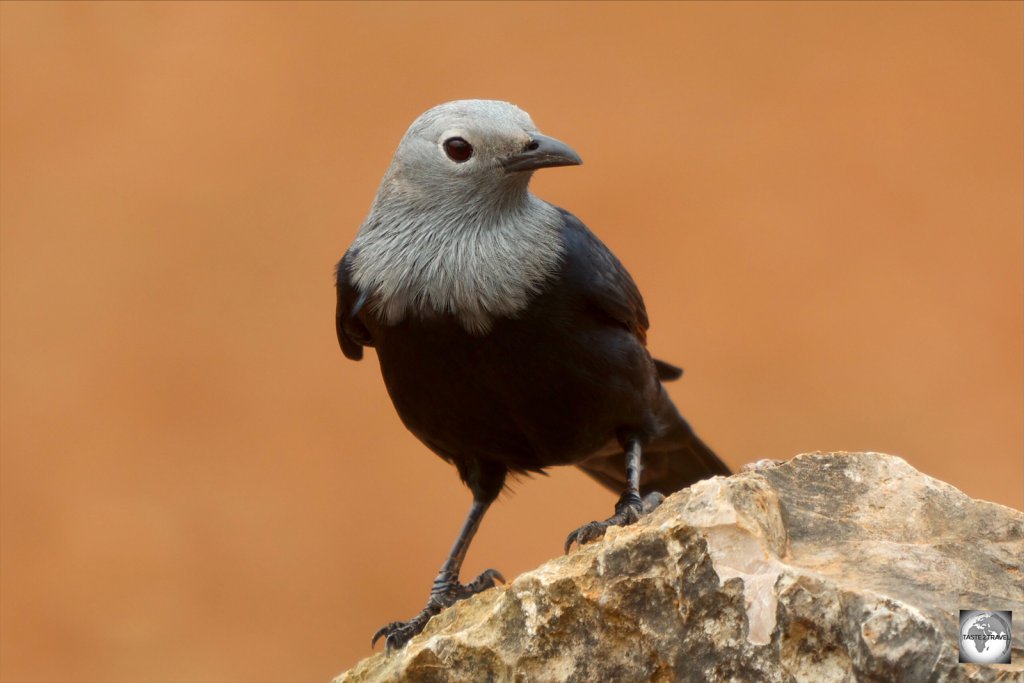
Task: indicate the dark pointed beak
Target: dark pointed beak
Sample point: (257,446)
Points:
(541,152)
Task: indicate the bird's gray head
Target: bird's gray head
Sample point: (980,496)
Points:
(476,150)
(453,228)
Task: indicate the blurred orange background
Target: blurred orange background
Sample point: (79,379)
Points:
(822,203)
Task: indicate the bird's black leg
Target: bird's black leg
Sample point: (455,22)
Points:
(630,507)
(447,590)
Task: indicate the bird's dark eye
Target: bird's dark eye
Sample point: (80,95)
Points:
(458,150)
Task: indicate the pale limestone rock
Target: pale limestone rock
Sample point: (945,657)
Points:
(831,567)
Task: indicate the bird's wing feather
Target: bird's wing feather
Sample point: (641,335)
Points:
(610,288)
(666,371)
(352,333)
(607,284)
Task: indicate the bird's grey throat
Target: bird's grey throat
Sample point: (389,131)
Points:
(464,239)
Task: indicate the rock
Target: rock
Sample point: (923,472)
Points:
(831,567)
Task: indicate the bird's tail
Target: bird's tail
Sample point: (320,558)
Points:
(673,470)
(676,459)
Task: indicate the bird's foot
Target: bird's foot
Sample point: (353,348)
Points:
(628,510)
(446,592)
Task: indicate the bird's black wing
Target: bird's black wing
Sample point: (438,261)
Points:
(666,371)
(352,333)
(606,283)
(609,286)
(677,457)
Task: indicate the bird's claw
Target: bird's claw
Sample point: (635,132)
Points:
(626,512)
(587,534)
(487,579)
(398,633)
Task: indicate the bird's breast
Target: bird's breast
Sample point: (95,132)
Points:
(548,387)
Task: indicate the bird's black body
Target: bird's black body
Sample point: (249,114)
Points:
(509,337)
(564,383)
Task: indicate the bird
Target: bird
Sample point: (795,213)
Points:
(509,337)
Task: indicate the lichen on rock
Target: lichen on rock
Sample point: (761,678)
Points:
(830,567)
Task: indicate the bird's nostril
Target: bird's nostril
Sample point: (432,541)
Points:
(532,145)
